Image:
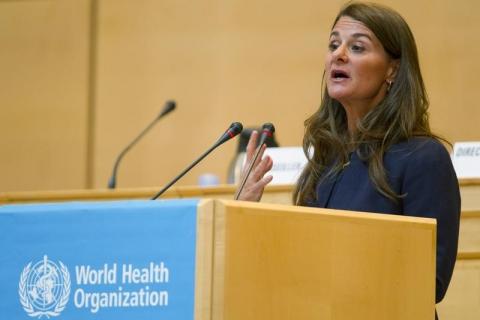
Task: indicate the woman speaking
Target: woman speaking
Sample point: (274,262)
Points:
(369,145)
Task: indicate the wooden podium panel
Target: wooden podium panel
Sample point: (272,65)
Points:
(283,262)
(204,260)
(462,300)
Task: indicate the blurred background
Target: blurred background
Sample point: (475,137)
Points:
(79,79)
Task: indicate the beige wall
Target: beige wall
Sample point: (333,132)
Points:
(222,61)
(43,94)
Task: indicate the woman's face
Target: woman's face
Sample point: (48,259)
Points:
(356,66)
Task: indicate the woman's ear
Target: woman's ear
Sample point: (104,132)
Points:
(393,69)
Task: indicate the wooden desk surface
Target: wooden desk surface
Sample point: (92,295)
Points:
(469,189)
(275,194)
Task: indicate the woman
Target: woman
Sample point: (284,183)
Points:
(369,146)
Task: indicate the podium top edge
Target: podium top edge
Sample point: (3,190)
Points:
(282,208)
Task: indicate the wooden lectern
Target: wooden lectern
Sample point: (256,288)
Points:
(226,260)
(283,262)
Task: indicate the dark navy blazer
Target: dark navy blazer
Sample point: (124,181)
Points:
(420,169)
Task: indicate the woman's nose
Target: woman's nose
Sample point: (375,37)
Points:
(340,54)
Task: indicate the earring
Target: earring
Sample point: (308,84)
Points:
(389,85)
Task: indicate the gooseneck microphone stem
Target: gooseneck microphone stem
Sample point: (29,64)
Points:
(247,174)
(113,180)
(234,130)
(268,130)
(184,172)
(169,106)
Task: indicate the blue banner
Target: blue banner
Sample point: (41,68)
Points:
(105,260)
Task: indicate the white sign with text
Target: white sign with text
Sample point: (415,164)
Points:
(466,159)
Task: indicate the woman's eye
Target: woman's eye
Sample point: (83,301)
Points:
(333,46)
(357,48)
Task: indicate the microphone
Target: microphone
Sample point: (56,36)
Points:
(167,108)
(267,131)
(234,129)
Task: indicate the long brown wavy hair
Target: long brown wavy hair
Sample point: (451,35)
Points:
(401,115)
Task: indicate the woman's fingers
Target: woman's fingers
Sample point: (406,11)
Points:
(261,184)
(260,155)
(261,169)
(251,153)
(257,181)
(254,191)
(251,146)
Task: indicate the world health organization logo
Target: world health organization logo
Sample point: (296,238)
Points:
(44,288)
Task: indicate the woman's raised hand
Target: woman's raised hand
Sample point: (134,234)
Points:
(256,182)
